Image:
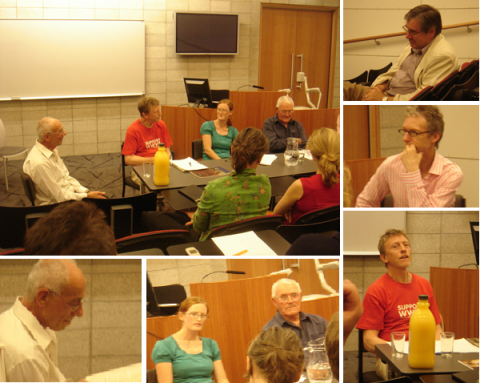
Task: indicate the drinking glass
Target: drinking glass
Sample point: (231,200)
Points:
(398,344)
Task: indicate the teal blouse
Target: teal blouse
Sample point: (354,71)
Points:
(220,144)
(235,197)
(187,368)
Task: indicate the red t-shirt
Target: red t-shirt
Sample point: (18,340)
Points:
(388,305)
(316,195)
(143,142)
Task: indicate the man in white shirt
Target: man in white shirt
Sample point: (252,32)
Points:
(52,180)
(53,297)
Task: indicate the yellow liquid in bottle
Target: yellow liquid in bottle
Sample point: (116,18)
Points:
(422,330)
(161,164)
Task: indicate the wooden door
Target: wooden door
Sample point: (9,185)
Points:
(287,32)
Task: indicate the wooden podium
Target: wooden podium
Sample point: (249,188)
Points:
(238,311)
(456,293)
(250,109)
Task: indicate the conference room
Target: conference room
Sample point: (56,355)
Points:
(375,136)
(444,251)
(375,44)
(96,104)
(238,294)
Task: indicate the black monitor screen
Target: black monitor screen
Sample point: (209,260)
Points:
(198,91)
(206,33)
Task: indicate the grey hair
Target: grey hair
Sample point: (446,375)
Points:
(285,98)
(432,115)
(45,125)
(47,273)
(284,280)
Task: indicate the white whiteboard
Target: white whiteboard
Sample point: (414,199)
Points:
(42,59)
(362,229)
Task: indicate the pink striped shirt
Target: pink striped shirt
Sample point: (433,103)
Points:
(437,189)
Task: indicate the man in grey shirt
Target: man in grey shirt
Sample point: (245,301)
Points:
(425,61)
(287,297)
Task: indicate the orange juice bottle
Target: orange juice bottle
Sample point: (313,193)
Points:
(161,164)
(421,352)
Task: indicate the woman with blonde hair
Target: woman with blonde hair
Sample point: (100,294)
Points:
(218,135)
(321,190)
(240,195)
(275,356)
(185,356)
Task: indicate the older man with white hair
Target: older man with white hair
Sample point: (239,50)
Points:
(287,298)
(281,126)
(52,180)
(53,298)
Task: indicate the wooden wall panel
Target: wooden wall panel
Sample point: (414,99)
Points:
(250,109)
(356,143)
(456,293)
(238,311)
(362,171)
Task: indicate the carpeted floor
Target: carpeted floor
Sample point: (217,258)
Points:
(350,367)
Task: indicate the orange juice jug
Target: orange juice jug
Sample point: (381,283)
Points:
(422,328)
(161,164)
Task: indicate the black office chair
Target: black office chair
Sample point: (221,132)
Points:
(152,376)
(169,298)
(369,376)
(374,73)
(29,187)
(361,79)
(219,94)
(127,180)
(197,149)
(153,240)
(423,95)
(265,222)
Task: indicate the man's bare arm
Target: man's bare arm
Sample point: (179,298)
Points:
(370,339)
(134,160)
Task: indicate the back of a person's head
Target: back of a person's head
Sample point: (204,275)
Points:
(278,355)
(324,144)
(332,340)
(72,228)
(347,187)
(249,145)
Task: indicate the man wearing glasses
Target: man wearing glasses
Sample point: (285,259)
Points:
(418,177)
(425,61)
(52,180)
(53,298)
(281,126)
(287,298)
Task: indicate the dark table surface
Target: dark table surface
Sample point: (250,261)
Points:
(276,242)
(179,179)
(442,365)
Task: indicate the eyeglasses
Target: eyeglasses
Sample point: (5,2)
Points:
(223,110)
(286,112)
(197,315)
(293,297)
(413,33)
(411,133)
(73,307)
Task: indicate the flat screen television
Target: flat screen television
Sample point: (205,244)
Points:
(206,33)
(198,91)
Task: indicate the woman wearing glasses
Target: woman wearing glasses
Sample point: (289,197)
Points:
(185,356)
(320,190)
(218,135)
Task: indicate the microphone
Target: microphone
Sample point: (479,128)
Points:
(225,272)
(253,86)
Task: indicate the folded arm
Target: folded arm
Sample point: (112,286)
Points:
(371,339)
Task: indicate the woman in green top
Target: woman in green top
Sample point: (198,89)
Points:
(240,195)
(185,357)
(217,135)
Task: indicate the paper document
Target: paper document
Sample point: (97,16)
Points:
(308,154)
(268,159)
(131,373)
(188,164)
(460,345)
(243,244)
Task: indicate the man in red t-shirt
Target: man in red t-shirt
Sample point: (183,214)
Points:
(145,134)
(390,301)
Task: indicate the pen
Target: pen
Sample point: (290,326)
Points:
(241,252)
(189,162)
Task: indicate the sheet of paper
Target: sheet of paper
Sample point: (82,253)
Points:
(308,154)
(245,243)
(460,345)
(188,164)
(268,159)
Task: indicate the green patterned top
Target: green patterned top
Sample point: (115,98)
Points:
(233,198)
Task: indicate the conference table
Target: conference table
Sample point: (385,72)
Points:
(442,365)
(280,175)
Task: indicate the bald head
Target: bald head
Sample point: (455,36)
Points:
(46,125)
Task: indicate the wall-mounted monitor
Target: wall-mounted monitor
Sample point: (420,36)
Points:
(206,33)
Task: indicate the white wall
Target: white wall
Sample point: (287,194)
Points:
(377,17)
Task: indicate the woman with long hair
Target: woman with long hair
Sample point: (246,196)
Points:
(240,195)
(321,190)
(185,356)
